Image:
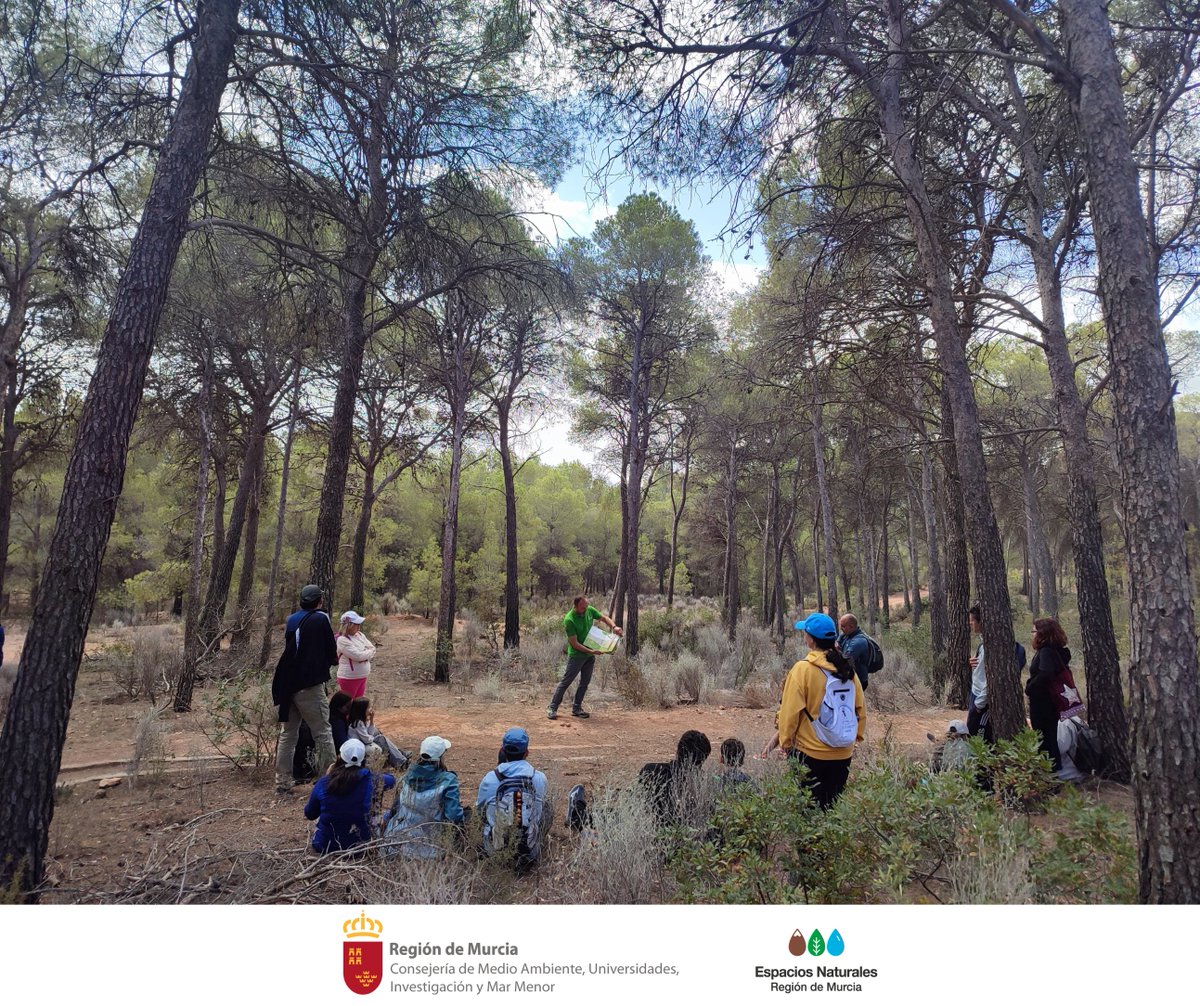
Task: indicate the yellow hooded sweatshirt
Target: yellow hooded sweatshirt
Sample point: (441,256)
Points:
(800,704)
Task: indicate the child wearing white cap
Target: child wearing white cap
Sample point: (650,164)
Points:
(341,801)
(355,653)
(427,803)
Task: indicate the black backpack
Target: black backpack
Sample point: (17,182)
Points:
(1089,755)
(875,656)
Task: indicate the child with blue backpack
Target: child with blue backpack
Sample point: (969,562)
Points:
(821,712)
(512,799)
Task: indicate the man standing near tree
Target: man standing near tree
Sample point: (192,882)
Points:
(581,658)
(298,688)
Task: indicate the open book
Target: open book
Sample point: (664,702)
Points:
(598,639)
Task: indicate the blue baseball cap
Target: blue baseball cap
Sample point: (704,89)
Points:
(819,626)
(515,741)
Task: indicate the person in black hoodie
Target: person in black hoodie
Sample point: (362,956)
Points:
(298,688)
(665,782)
(1051,686)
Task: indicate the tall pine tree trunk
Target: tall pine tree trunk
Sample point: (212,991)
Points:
(221,575)
(362,531)
(448,594)
(732,587)
(826,512)
(1005,696)
(512,587)
(35,726)
(186,681)
(1164,684)
(281,521)
(933,546)
(677,516)
(341,424)
(955,672)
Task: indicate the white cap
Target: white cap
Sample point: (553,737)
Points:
(353,616)
(434,747)
(353,752)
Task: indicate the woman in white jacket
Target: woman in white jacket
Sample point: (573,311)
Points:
(355,652)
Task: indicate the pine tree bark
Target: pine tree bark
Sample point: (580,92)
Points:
(797,574)
(1164,684)
(328,537)
(1045,597)
(186,682)
(36,723)
(240,637)
(448,595)
(512,586)
(933,548)
(362,531)
(1101,662)
(955,673)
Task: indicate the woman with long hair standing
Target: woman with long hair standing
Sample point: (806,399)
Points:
(1051,686)
(821,712)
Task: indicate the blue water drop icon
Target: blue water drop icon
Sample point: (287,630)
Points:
(836,944)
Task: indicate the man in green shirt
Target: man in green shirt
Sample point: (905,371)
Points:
(577,623)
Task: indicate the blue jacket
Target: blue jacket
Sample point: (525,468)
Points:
(342,821)
(427,800)
(858,651)
(531,817)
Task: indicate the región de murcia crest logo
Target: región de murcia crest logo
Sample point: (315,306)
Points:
(362,954)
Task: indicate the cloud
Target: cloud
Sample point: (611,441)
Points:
(737,277)
(556,218)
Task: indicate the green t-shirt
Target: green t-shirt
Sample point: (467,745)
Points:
(579,626)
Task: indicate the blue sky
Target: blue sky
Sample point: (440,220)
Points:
(580,201)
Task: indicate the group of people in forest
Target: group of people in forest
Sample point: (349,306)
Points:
(1054,701)
(346,800)
(821,718)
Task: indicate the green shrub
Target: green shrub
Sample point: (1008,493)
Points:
(1086,854)
(1020,773)
(243,723)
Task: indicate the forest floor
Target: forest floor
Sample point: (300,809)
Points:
(112,824)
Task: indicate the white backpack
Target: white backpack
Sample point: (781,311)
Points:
(837,726)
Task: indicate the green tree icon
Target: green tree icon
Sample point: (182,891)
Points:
(816,943)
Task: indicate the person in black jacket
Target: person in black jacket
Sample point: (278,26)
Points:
(298,688)
(666,782)
(1051,686)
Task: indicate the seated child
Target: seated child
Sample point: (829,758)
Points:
(341,801)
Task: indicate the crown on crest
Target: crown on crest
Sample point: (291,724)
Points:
(362,928)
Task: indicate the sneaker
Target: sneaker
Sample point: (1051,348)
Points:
(551,713)
(284,790)
(581,714)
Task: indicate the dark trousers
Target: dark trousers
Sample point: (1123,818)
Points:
(580,664)
(825,779)
(979,721)
(1043,717)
